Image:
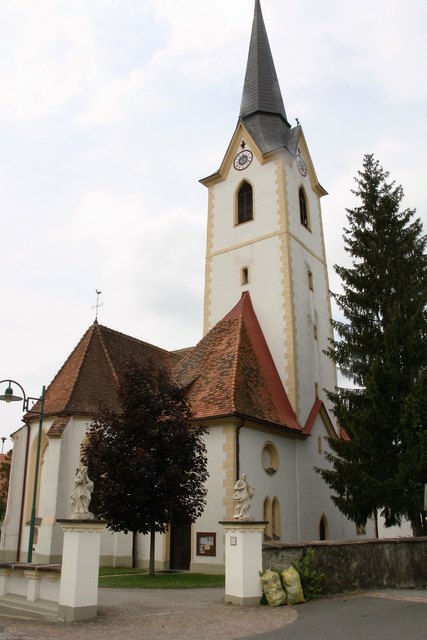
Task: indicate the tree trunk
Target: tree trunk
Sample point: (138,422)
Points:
(152,551)
(419,525)
(134,548)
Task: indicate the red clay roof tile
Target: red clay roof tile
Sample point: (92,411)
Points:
(230,372)
(88,378)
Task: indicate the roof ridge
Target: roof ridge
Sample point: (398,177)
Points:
(120,333)
(88,334)
(106,353)
(236,361)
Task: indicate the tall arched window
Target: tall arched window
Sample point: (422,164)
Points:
(277,528)
(268,517)
(303,209)
(245,208)
(323,528)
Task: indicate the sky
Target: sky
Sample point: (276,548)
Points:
(111,111)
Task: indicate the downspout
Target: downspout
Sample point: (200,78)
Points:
(24,487)
(297,492)
(242,423)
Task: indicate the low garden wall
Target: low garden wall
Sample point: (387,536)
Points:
(29,587)
(352,565)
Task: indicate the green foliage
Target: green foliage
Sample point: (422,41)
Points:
(381,347)
(4,486)
(147,461)
(311,579)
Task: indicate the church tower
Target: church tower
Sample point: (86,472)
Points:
(265,234)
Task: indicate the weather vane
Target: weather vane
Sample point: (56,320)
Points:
(98,303)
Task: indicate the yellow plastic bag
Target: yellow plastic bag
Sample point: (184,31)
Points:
(272,589)
(292,584)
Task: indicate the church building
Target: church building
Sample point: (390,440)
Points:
(257,377)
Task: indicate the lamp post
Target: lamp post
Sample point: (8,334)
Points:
(9,396)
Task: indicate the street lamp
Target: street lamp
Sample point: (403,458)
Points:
(9,396)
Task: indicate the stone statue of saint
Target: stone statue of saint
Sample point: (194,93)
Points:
(243,492)
(81,495)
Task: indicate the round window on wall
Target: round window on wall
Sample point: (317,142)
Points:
(270,458)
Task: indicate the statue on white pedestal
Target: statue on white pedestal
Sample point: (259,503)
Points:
(243,492)
(81,495)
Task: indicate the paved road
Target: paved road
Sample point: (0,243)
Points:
(200,614)
(389,615)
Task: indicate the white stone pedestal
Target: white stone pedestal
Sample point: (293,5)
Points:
(78,593)
(243,561)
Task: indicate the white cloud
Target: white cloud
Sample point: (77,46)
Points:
(111,110)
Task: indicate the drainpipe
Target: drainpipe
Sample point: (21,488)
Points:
(24,486)
(242,423)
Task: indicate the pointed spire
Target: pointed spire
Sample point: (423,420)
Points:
(261,91)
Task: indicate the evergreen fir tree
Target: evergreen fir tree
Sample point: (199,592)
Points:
(381,347)
(147,461)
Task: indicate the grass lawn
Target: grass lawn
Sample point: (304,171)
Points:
(125,578)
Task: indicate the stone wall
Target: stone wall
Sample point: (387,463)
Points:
(367,564)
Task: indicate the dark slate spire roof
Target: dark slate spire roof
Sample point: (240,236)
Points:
(261,91)
(262,110)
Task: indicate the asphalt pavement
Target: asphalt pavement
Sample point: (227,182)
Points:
(388,615)
(201,614)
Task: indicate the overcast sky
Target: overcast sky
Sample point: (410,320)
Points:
(112,110)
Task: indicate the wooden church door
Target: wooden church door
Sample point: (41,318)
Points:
(180,547)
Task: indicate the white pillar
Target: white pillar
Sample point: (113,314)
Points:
(78,593)
(243,561)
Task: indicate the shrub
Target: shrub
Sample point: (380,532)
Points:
(311,579)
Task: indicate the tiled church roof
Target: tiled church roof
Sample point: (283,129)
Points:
(90,375)
(230,372)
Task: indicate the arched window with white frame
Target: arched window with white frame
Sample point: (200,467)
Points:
(245,203)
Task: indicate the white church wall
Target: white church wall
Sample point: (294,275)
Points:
(10,525)
(311,237)
(253,244)
(315,494)
(282,484)
(264,287)
(312,330)
(215,509)
(226,233)
(161,552)
(49,544)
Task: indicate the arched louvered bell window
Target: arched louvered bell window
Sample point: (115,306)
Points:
(303,209)
(245,208)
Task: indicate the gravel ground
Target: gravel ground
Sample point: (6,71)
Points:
(154,614)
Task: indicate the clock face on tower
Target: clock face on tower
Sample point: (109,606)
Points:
(243,159)
(301,165)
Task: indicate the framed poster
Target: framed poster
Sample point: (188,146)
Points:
(206,544)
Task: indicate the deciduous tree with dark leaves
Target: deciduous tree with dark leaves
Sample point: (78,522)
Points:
(381,347)
(148,459)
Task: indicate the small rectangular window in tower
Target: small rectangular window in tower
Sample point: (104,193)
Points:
(319,444)
(310,280)
(244,276)
(315,331)
(316,389)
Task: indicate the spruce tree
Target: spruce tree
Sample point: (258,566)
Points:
(381,347)
(147,460)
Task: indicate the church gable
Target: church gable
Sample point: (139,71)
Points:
(90,375)
(231,372)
